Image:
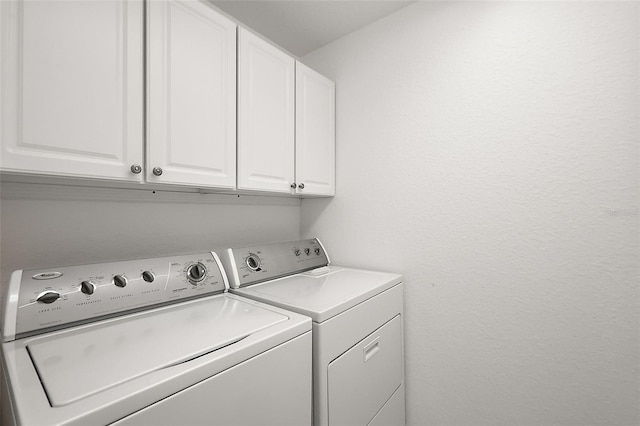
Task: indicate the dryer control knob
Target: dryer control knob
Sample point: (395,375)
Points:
(87,287)
(196,272)
(48,296)
(253,262)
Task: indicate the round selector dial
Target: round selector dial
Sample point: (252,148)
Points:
(253,262)
(48,296)
(148,276)
(196,272)
(87,287)
(120,280)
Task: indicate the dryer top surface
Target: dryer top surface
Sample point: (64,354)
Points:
(323,293)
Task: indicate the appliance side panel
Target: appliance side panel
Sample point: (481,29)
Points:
(7,415)
(11,307)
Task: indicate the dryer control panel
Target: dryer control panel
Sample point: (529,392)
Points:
(250,265)
(41,299)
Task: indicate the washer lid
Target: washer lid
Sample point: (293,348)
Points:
(77,363)
(322,293)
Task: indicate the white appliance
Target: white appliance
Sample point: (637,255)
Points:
(153,341)
(358,368)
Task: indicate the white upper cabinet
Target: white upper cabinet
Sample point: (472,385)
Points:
(266,114)
(191,93)
(72,88)
(315,133)
(75,77)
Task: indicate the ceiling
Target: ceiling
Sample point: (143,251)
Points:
(302,26)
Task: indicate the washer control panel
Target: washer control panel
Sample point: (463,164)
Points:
(54,297)
(250,265)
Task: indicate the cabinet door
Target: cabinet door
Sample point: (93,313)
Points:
(72,88)
(315,133)
(191,95)
(266,115)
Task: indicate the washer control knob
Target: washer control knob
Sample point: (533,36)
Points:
(87,287)
(48,296)
(317,251)
(148,276)
(196,272)
(253,262)
(307,251)
(120,280)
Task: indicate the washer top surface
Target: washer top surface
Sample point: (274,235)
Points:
(322,293)
(77,363)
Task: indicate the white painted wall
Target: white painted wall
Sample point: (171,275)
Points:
(490,152)
(43,225)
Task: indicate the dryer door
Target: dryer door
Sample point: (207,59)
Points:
(362,379)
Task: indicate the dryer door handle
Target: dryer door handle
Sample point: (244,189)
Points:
(371,349)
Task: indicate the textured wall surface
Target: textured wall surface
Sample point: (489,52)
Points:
(490,152)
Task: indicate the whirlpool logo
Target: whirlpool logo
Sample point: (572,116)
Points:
(47,275)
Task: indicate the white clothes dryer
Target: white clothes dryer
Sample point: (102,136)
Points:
(153,341)
(358,356)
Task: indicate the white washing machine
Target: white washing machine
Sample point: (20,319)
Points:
(358,361)
(154,342)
